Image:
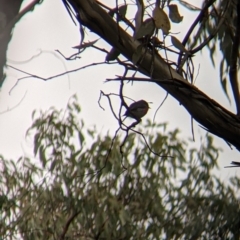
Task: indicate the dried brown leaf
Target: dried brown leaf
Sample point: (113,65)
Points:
(161,20)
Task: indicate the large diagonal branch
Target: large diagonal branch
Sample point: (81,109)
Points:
(203,109)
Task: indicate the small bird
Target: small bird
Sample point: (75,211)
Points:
(137,110)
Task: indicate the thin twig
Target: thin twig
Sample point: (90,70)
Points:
(165,98)
(10,109)
(30,75)
(149,148)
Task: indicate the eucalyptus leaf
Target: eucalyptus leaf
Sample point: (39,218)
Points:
(174,13)
(112,55)
(224,87)
(177,44)
(161,20)
(123,10)
(137,54)
(189,6)
(139,14)
(146,29)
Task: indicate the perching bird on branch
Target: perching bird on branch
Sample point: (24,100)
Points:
(137,110)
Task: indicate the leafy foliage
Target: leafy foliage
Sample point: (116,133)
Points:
(78,193)
(218,24)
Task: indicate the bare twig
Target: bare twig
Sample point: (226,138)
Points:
(165,98)
(10,109)
(142,135)
(72,57)
(30,75)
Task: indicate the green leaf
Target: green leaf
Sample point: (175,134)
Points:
(140,202)
(42,156)
(123,10)
(37,143)
(137,54)
(174,14)
(224,87)
(189,6)
(53,165)
(112,55)
(33,114)
(177,44)
(123,216)
(146,29)
(81,138)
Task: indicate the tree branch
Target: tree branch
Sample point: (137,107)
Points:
(211,115)
(233,71)
(9,9)
(197,20)
(213,34)
(66,226)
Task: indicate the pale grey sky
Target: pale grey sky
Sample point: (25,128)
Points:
(49,28)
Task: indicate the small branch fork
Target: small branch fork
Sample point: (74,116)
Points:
(123,126)
(199,19)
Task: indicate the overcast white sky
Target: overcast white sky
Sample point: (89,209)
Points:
(49,28)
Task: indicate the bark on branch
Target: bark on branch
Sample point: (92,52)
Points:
(9,16)
(8,10)
(211,115)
